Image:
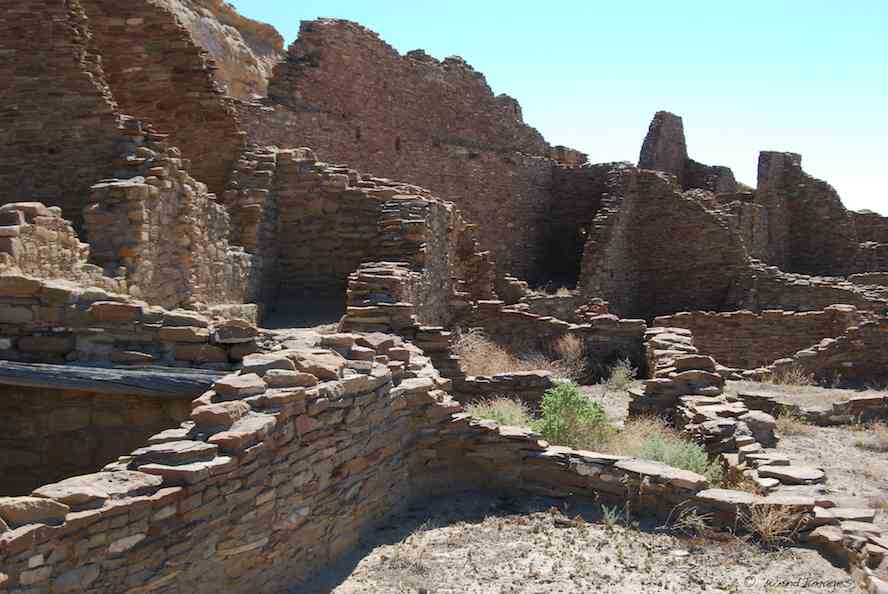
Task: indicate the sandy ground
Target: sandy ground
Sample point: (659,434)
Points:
(805,396)
(481,544)
(858,476)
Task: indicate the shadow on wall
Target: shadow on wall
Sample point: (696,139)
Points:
(48,434)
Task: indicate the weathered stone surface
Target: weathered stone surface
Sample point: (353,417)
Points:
(78,579)
(325,365)
(281,378)
(680,478)
(793,475)
(240,386)
(20,511)
(96,488)
(174,452)
(261,363)
(762,426)
(223,414)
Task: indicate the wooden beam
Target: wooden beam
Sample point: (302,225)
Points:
(171,383)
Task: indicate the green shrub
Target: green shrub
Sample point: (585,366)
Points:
(568,417)
(679,453)
(505,411)
(621,375)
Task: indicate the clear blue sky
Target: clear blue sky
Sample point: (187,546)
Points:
(804,76)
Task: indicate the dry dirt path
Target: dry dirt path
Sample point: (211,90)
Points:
(482,545)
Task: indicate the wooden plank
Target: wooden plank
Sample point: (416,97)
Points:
(171,383)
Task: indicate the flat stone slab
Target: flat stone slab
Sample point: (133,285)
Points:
(674,476)
(175,452)
(21,511)
(239,386)
(97,488)
(726,498)
(793,475)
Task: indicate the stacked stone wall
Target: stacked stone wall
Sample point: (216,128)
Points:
(37,241)
(773,289)
(270,482)
(50,434)
(856,357)
(508,195)
(58,125)
(59,322)
(870,226)
(158,74)
(636,261)
(355,100)
(812,232)
(164,230)
(746,340)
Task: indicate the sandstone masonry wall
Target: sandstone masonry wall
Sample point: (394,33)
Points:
(158,74)
(355,100)
(37,241)
(57,322)
(811,233)
(636,260)
(746,340)
(665,149)
(58,125)
(286,464)
(773,289)
(49,435)
(165,232)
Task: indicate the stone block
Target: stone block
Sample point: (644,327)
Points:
(46,344)
(203,353)
(21,511)
(239,386)
(15,314)
(114,311)
(188,334)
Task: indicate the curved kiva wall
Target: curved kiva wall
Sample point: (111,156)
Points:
(746,340)
(284,465)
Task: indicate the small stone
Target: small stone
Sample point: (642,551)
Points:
(325,365)
(99,487)
(762,426)
(261,363)
(223,414)
(174,452)
(233,387)
(114,311)
(793,475)
(21,511)
(281,378)
(234,332)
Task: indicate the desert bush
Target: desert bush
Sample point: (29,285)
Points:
(570,418)
(481,356)
(791,376)
(790,423)
(571,353)
(621,375)
(505,411)
(874,438)
(680,453)
(772,525)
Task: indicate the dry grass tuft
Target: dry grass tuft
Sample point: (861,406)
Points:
(791,376)
(481,356)
(621,375)
(773,526)
(874,438)
(790,423)
(563,292)
(505,411)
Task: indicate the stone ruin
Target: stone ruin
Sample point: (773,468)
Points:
(173,184)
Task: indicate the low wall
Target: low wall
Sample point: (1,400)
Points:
(606,338)
(857,357)
(287,464)
(525,386)
(857,409)
(58,322)
(774,289)
(746,340)
(48,434)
